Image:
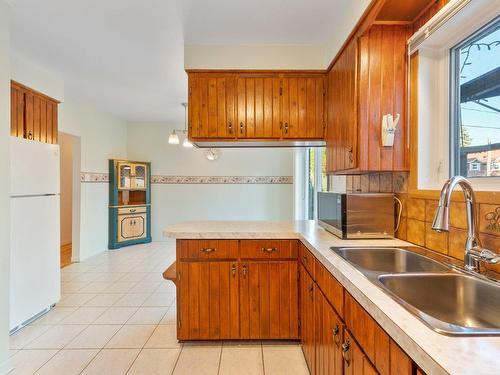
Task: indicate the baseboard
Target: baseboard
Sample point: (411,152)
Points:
(6,367)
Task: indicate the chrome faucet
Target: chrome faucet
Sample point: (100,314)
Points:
(474,252)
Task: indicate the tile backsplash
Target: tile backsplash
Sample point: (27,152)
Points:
(418,213)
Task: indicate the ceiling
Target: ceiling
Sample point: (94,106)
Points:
(126,56)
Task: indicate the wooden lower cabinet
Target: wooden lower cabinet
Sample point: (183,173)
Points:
(329,334)
(307,318)
(268,300)
(208,300)
(355,361)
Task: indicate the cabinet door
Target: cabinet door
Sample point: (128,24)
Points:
(342,113)
(355,362)
(211,106)
(131,227)
(125,173)
(303,107)
(208,297)
(17,112)
(139,180)
(269,300)
(307,318)
(258,107)
(329,338)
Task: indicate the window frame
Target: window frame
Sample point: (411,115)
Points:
(454,94)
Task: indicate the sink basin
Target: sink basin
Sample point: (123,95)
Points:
(450,303)
(388,260)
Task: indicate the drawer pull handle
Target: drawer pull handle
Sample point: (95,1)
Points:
(133,210)
(269,249)
(209,249)
(233,269)
(244,271)
(336,335)
(345,352)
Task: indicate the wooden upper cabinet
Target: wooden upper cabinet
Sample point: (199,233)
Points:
(366,82)
(303,107)
(211,106)
(256,106)
(33,115)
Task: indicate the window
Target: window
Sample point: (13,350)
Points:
(475,120)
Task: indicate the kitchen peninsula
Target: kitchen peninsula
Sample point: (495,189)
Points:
(380,334)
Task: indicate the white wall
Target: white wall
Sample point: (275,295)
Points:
(172,203)
(4,185)
(297,56)
(102,137)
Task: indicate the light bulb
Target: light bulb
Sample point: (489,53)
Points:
(173,138)
(186,143)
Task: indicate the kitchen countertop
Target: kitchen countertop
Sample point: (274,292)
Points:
(433,352)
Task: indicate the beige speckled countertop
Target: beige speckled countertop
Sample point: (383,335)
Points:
(433,352)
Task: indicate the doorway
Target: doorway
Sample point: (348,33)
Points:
(70,198)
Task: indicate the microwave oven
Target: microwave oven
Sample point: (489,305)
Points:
(357,216)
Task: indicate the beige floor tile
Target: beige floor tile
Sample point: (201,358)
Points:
(160,299)
(26,362)
(116,315)
(85,276)
(67,362)
(95,287)
(145,287)
(25,335)
(104,300)
(164,337)
(166,287)
(84,315)
(111,362)
(132,299)
(148,315)
(134,276)
(74,299)
(109,276)
(155,362)
(73,286)
(241,361)
(121,287)
(55,315)
(131,337)
(94,336)
(199,360)
(170,316)
(284,360)
(56,337)
(243,343)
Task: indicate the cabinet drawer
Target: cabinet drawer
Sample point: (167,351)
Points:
(307,259)
(268,249)
(331,288)
(132,210)
(207,249)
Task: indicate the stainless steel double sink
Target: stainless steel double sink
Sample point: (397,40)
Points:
(446,299)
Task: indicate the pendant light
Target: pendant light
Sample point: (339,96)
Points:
(186,142)
(173,138)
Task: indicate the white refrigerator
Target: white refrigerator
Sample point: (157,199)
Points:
(35,276)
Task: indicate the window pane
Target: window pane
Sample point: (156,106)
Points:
(311,182)
(477,135)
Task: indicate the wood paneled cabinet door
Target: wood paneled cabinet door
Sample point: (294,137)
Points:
(329,338)
(268,300)
(33,115)
(302,107)
(258,107)
(355,361)
(366,82)
(208,297)
(307,321)
(212,106)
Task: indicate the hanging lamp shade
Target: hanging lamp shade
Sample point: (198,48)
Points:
(173,138)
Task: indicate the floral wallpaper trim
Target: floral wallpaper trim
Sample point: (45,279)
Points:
(88,177)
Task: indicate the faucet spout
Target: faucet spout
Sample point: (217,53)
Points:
(441,221)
